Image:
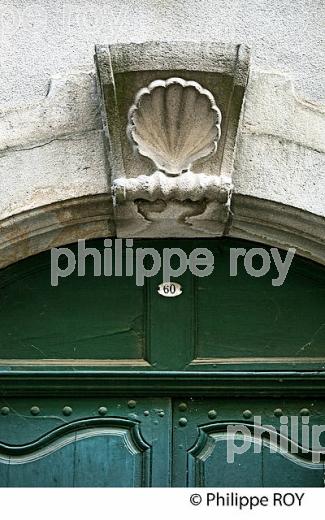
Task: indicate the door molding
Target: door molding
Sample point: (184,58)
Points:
(68,382)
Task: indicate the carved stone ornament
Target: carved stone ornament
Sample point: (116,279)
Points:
(175,123)
(170,150)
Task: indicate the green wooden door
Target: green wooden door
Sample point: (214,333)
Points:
(85,442)
(218,443)
(104,383)
(157,442)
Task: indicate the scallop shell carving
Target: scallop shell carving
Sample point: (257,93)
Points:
(175,123)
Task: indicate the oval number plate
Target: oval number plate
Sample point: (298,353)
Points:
(170,289)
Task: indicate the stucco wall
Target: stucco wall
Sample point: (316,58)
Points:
(43,38)
(55,176)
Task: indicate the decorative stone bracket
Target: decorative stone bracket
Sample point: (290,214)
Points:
(171,115)
(56,183)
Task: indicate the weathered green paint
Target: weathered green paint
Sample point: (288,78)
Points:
(248,320)
(152,442)
(219,322)
(96,381)
(84,317)
(202,450)
(95,342)
(123,447)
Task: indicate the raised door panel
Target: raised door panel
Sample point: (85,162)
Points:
(245,322)
(256,467)
(89,443)
(256,443)
(84,320)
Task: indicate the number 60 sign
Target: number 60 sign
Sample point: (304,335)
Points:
(170,289)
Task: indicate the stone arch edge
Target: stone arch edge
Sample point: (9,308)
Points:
(61,223)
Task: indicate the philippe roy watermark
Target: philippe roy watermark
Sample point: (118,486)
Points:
(35,17)
(294,436)
(120,258)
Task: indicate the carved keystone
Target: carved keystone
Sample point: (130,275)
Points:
(171,119)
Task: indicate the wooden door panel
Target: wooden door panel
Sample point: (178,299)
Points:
(268,453)
(245,321)
(82,321)
(127,443)
(106,456)
(125,446)
(219,322)
(279,470)
(210,467)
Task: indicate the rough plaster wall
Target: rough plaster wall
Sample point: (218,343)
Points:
(54,176)
(43,38)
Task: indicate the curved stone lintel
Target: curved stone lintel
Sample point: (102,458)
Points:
(55,225)
(278,225)
(91,217)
